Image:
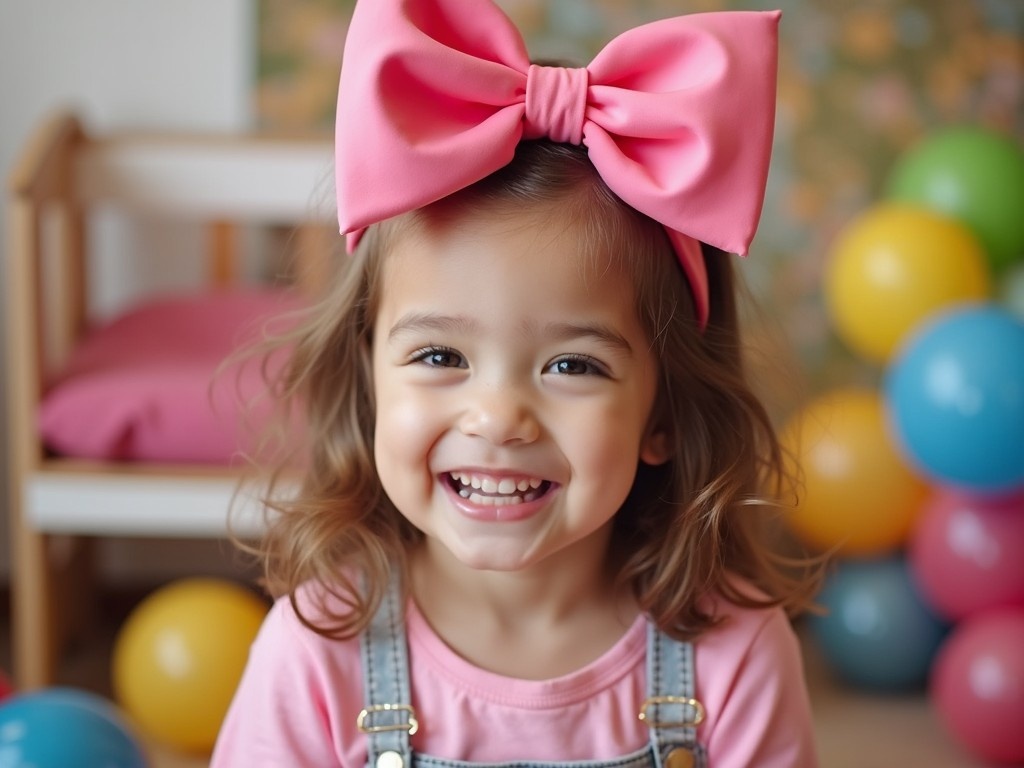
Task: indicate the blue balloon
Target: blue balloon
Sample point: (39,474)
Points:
(878,633)
(955,398)
(61,727)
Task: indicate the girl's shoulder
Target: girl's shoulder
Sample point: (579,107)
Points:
(750,679)
(749,646)
(300,693)
(745,629)
(307,616)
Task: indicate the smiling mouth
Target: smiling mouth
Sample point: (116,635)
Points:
(487,491)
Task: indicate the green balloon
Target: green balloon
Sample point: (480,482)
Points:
(1011,289)
(973,175)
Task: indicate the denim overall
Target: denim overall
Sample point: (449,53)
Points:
(388,720)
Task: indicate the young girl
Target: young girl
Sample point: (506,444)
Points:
(529,527)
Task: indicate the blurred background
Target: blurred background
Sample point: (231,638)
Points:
(882,104)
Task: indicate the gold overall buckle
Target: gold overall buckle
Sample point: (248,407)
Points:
(411,725)
(654,701)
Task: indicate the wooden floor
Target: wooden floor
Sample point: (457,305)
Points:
(854,730)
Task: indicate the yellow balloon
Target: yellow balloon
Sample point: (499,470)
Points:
(895,265)
(858,497)
(179,656)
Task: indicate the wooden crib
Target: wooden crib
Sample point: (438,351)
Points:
(225,186)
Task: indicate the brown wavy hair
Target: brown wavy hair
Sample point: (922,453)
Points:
(685,528)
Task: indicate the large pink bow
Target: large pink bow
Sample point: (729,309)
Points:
(677,115)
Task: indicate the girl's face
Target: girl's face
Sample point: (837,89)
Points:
(514,388)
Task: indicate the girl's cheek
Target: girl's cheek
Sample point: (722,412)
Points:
(403,418)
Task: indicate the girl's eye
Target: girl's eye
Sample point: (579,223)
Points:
(575,365)
(439,357)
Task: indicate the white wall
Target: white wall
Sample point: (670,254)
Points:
(177,64)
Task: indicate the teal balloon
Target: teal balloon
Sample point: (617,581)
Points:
(975,176)
(955,398)
(877,632)
(64,728)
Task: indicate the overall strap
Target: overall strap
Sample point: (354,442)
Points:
(388,720)
(671,710)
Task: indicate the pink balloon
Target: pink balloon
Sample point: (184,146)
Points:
(977,685)
(6,686)
(966,552)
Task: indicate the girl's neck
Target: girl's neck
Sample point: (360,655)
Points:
(539,623)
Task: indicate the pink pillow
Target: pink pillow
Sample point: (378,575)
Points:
(148,386)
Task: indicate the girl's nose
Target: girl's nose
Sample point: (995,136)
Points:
(499,415)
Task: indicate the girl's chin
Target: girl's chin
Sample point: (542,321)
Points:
(487,559)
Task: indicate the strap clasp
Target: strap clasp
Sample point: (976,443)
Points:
(411,724)
(650,717)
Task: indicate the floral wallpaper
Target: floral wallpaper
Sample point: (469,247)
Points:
(859,84)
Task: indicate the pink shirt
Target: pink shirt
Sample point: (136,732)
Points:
(301,693)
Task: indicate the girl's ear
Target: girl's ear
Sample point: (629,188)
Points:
(655,446)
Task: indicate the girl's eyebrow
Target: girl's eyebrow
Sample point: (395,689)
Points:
(418,322)
(600,333)
(413,322)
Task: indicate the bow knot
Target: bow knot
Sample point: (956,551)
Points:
(556,101)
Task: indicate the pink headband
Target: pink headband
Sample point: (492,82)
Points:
(677,116)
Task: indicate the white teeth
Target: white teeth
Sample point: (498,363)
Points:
(491,501)
(495,492)
(490,485)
